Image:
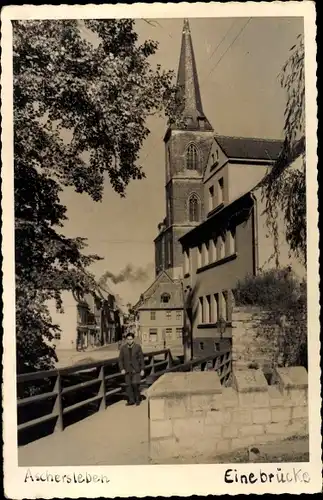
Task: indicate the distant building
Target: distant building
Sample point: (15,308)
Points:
(160,314)
(88,321)
(98,320)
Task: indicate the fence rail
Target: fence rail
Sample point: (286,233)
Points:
(56,398)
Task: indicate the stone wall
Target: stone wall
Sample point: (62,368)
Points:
(247,345)
(192,415)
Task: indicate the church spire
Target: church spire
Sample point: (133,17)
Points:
(187,80)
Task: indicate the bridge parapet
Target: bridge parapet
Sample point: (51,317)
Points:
(192,414)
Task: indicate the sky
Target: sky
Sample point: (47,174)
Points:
(238,63)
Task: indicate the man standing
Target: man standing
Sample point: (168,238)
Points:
(132,365)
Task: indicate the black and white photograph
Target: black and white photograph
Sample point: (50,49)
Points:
(160,250)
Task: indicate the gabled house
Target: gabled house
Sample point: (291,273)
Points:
(160,314)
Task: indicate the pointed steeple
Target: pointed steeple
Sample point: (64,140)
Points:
(187,80)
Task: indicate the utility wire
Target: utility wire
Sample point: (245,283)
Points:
(225,52)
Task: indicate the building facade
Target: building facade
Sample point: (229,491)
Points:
(88,321)
(214,233)
(160,314)
(231,242)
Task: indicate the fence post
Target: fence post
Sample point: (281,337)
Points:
(152,365)
(58,408)
(102,389)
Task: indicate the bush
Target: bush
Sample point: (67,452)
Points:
(283,323)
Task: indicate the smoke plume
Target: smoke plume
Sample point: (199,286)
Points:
(129,273)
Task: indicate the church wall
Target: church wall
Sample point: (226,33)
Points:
(177,145)
(181,191)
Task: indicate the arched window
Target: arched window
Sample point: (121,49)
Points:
(191,157)
(165,298)
(193,208)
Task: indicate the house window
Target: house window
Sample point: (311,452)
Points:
(211,198)
(215,308)
(191,157)
(212,250)
(208,316)
(179,333)
(201,346)
(216,346)
(168,314)
(165,298)
(153,315)
(221,247)
(201,310)
(178,315)
(193,208)
(220,191)
(153,334)
(57,336)
(169,333)
(232,241)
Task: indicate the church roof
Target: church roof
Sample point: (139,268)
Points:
(187,80)
(250,148)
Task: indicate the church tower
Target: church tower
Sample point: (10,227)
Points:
(187,148)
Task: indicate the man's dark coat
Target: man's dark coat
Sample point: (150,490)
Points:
(131,362)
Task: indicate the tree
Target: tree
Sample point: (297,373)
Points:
(284,188)
(282,328)
(80,110)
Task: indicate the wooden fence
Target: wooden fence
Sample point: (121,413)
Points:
(49,401)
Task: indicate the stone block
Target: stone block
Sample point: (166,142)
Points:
(229,398)
(296,397)
(249,381)
(200,402)
(242,416)
(261,416)
(156,409)
(188,427)
(230,431)
(279,428)
(300,412)
(216,402)
(217,417)
(298,427)
(261,399)
(282,414)
(160,428)
(202,447)
(276,397)
(177,407)
(250,430)
(161,449)
(292,377)
(223,446)
(242,442)
(246,399)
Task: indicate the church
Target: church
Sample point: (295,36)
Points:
(213,233)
